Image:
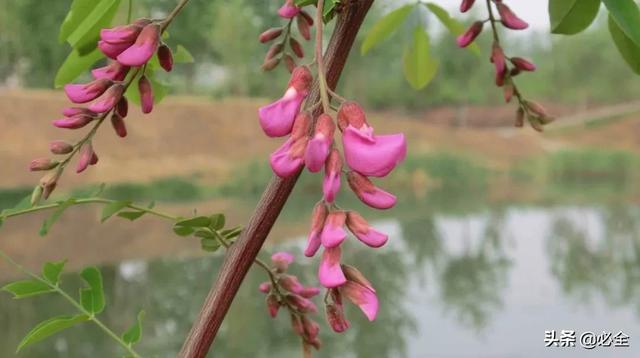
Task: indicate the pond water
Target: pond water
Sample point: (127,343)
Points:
(462,276)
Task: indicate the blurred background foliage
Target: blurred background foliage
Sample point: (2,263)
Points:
(227,63)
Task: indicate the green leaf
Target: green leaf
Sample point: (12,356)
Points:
(182,55)
(454,26)
(210,245)
(133,334)
(79,10)
(217,221)
(419,67)
(51,271)
(89,29)
(25,203)
(112,208)
(27,288)
(627,15)
(231,233)
(49,328)
(75,65)
(570,17)
(46,226)
(385,27)
(199,221)
(183,230)
(131,215)
(629,50)
(92,298)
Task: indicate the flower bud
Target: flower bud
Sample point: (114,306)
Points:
(49,183)
(309,292)
(296,47)
(42,164)
(83,93)
(289,62)
(274,50)
(282,260)
(265,287)
(318,218)
(146,94)
(118,125)
(303,27)
(165,57)
(270,64)
(122,108)
(296,324)
(466,5)
(143,49)
(508,91)
(75,122)
(87,156)
(273,305)
(311,328)
(306,17)
(318,147)
(270,35)
(509,19)
(60,147)
(470,35)
(519,117)
(522,64)
(498,59)
(108,100)
(332,174)
(291,283)
(336,318)
(303,304)
(36,194)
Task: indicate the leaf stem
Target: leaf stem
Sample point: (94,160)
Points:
(73,302)
(322,79)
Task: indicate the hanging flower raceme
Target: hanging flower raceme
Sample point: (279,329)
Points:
(130,48)
(504,74)
(285,291)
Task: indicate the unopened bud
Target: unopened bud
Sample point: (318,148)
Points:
(536,108)
(296,324)
(296,47)
(118,125)
(336,318)
(165,57)
(509,18)
(508,91)
(146,94)
(270,64)
(520,117)
(122,108)
(289,62)
(466,5)
(311,328)
(265,287)
(470,35)
(60,147)
(273,305)
(36,195)
(522,64)
(290,283)
(303,27)
(351,113)
(49,183)
(307,17)
(303,304)
(274,50)
(42,164)
(270,35)
(282,260)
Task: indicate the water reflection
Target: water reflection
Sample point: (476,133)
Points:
(452,283)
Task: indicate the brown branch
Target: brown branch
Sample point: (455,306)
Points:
(241,254)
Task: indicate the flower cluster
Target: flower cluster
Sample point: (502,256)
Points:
(278,53)
(504,74)
(311,143)
(129,48)
(285,290)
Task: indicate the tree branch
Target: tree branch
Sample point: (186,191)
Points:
(242,253)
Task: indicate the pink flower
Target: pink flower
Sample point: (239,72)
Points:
(333,233)
(311,328)
(468,36)
(265,287)
(108,100)
(318,218)
(330,272)
(72,111)
(146,94)
(332,174)
(113,71)
(522,64)
(282,260)
(364,232)
(83,93)
(112,50)
(288,159)
(369,193)
(466,5)
(75,122)
(288,10)
(318,147)
(365,152)
(303,304)
(498,59)
(277,118)
(273,305)
(509,19)
(309,292)
(291,284)
(122,34)
(87,157)
(362,296)
(165,57)
(143,49)
(118,125)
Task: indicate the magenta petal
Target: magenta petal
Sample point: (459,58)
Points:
(313,244)
(265,287)
(378,199)
(83,93)
(276,119)
(309,292)
(373,155)
(137,55)
(362,297)
(373,238)
(332,236)
(317,153)
(330,273)
(120,34)
(282,258)
(331,186)
(288,10)
(112,50)
(282,163)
